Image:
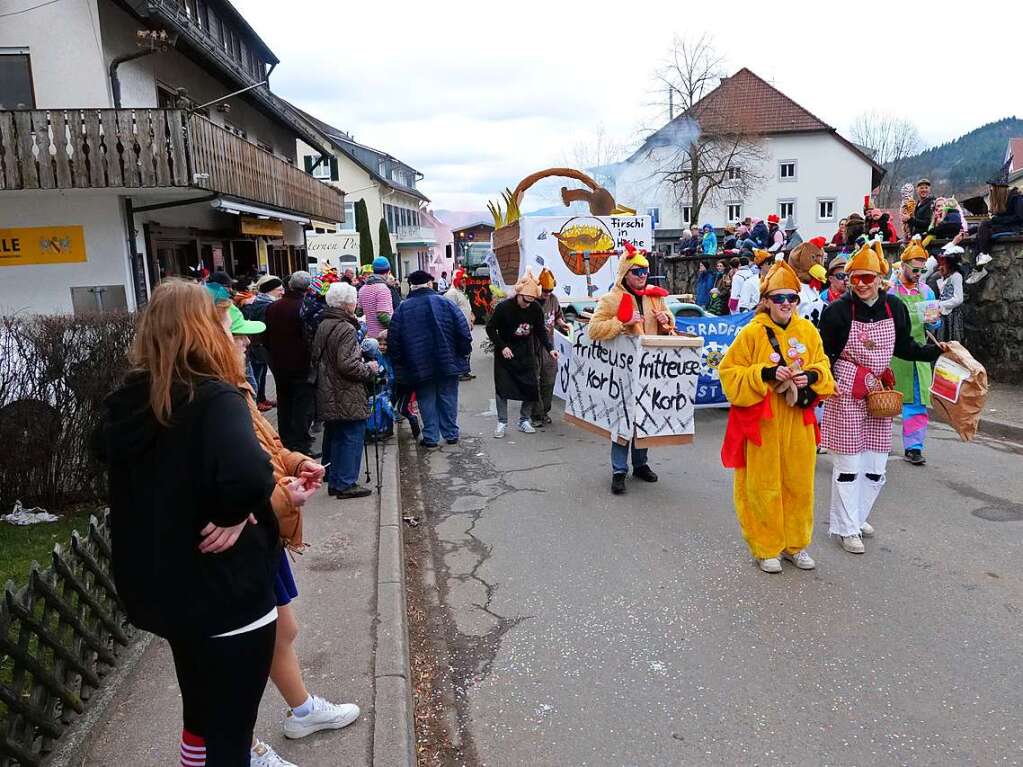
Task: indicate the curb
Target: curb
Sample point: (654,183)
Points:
(988,427)
(76,741)
(393,722)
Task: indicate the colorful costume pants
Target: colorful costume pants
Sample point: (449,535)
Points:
(915,419)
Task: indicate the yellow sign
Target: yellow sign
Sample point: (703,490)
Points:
(42,245)
(261,226)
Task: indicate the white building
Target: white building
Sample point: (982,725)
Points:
(386,184)
(808,170)
(128,157)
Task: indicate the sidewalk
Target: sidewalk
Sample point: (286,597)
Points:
(1003,412)
(342,644)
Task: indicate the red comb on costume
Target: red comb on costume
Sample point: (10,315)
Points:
(820,242)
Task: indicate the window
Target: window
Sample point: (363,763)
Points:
(787,170)
(349,223)
(16,90)
(321,171)
(733,173)
(825,209)
(786,208)
(734,212)
(655,215)
(687,214)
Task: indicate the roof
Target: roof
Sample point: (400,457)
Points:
(474,225)
(1015,149)
(363,155)
(746,102)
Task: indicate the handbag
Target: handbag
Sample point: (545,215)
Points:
(804,397)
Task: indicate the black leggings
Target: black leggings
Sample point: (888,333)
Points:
(222,681)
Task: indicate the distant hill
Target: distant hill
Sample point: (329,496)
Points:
(964,165)
(459,218)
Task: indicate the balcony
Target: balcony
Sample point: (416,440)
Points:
(126,149)
(415,235)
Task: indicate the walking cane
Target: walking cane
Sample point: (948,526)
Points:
(376,442)
(365,444)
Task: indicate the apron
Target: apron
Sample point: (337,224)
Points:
(848,428)
(903,369)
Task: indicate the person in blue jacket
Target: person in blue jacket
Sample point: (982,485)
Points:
(429,344)
(705,279)
(710,240)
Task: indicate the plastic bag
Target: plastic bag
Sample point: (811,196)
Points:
(960,399)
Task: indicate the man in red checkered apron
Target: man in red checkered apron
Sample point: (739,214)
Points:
(861,332)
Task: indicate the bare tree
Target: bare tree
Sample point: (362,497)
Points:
(709,152)
(892,140)
(597,150)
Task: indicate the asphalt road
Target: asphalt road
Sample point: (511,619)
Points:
(588,629)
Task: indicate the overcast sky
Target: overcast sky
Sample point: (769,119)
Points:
(478,95)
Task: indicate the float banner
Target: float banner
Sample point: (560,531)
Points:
(630,387)
(559,243)
(718,334)
(33,245)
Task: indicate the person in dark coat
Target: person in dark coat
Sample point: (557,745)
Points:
(516,325)
(268,290)
(429,343)
(285,340)
(341,397)
(920,221)
(705,279)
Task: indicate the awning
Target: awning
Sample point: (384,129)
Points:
(227,205)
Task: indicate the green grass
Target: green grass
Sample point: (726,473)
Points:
(19,545)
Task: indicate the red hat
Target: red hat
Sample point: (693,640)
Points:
(458,278)
(820,242)
(773,219)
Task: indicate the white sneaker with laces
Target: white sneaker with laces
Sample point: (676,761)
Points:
(324,716)
(983,259)
(867,531)
(500,431)
(770,565)
(853,544)
(800,559)
(526,427)
(976,276)
(262,755)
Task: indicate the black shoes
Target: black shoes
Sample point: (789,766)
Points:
(915,457)
(355,491)
(618,484)
(452,441)
(429,445)
(644,473)
(413,423)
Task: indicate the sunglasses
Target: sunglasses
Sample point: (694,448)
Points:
(782,298)
(639,272)
(528,299)
(840,276)
(916,270)
(863,279)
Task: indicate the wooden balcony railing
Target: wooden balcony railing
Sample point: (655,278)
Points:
(151,149)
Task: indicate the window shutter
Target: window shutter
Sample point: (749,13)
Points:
(308,163)
(334,174)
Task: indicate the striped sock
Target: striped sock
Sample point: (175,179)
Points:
(193,750)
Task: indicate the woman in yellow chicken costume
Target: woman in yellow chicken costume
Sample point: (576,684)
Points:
(773,373)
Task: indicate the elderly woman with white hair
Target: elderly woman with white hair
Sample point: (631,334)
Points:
(341,397)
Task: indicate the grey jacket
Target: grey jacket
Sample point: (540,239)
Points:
(341,375)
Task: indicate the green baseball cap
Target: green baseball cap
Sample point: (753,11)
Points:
(241,326)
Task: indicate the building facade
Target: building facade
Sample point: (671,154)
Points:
(129,156)
(803,167)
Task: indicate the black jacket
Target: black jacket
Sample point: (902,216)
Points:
(837,320)
(165,485)
(285,336)
(920,223)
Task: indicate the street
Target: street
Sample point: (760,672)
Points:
(587,629)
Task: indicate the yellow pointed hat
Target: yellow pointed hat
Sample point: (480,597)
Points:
(527,285)
(760,256)
(780,277)
(914,251)
(869,258)
(547,281)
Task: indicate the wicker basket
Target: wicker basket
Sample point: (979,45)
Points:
(884,403)
(506,239)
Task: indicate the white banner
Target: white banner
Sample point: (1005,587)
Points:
(558,242)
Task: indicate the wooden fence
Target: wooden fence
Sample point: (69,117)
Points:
(59,636)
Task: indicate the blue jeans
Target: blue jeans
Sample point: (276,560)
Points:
(342,446)
(438,405)
(259,372)
(620,457)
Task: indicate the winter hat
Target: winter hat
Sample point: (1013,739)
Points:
(268,282)
(914,251)
(381,265)
(781,277)
(527,285)
(218,291)
(221,278)
(773,218)
(418,277)
(708,228)
(869,258)
(837,262)
(547,281)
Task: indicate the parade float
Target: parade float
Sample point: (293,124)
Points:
(632,387)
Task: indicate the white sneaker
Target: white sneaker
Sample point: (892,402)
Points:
(867,531)
(853,544)
(526,427)
(983,259)
(800,559)
(976,276)
(770,565)
(324,716)
(262,755)
(500,431)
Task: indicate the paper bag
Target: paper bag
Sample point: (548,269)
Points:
(961,398)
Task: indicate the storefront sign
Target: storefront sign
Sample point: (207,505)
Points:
(42,245)
(263,227)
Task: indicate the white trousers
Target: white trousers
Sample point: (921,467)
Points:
(856,481)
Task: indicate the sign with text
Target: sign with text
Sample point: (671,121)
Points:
(560,243)
(264,227)
(35,245)
(630,387)
(718,334)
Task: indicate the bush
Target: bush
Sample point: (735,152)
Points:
(55,372)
